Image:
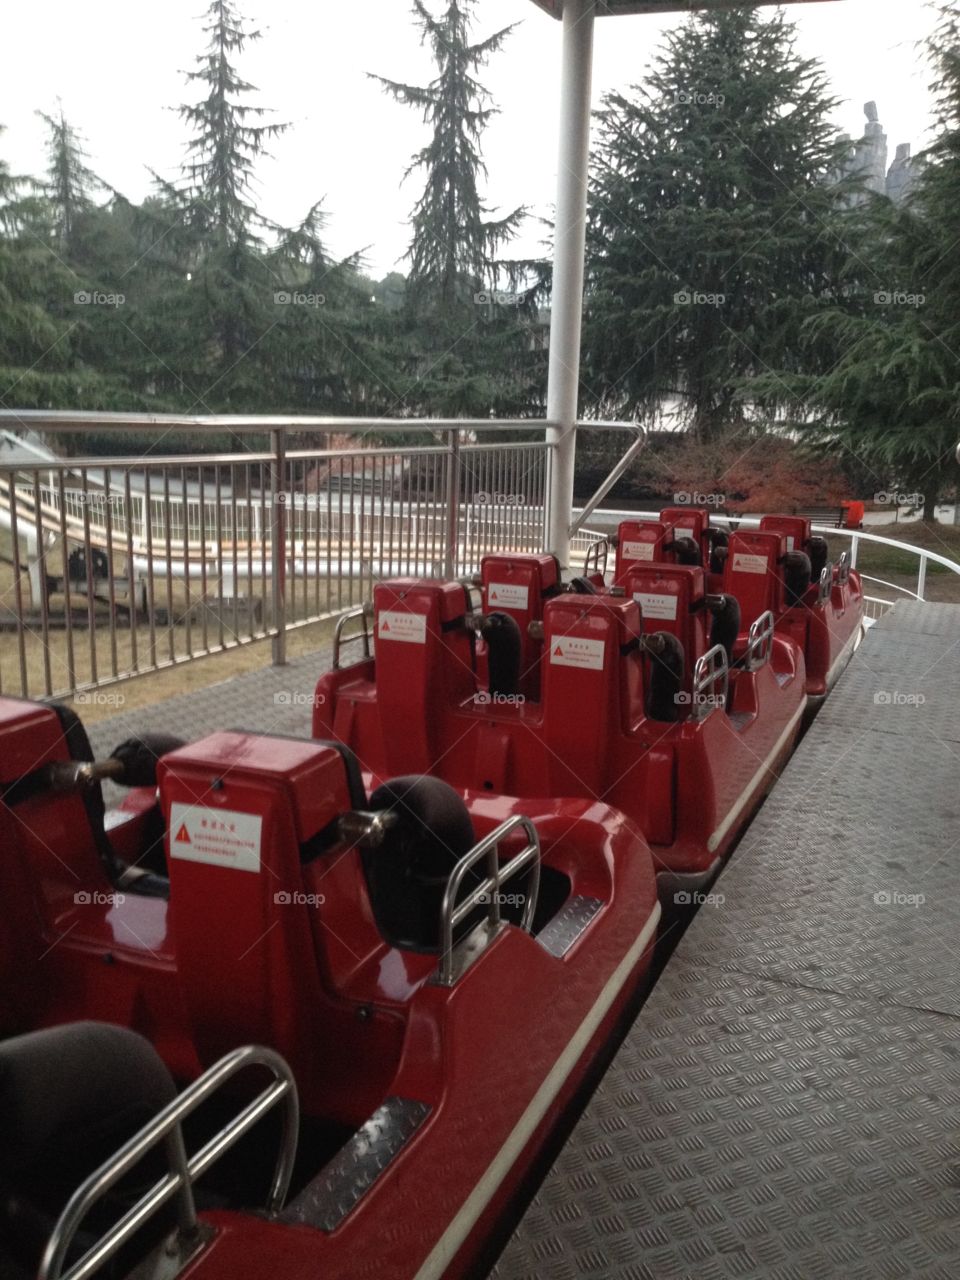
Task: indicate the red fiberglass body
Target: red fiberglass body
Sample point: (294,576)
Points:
(586,713)
(817,604)
(430,1069)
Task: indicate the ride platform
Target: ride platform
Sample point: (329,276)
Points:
(787,1104)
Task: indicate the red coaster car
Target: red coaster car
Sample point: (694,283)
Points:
(431,979)
(638,707)
(819,604)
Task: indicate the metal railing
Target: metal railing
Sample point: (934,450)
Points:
(111,567)
(183,1170)
(759,641)
(711,682)
(488,893)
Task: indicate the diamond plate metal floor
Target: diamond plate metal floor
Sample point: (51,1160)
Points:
(269,700)
(787,1104)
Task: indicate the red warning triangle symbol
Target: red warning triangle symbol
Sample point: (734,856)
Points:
(183,835)
(384,626)
(558,652)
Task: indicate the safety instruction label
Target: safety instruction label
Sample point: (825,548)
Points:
(684,531)
(411,627)
(572,651)
(743,563)
(638,550)
(790,542)
(219,837)
(655,605)
(508,595)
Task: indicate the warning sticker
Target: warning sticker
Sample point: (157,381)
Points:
(684,531)
(508,595)
(411,627)
(571,651)
(743,563)
(790,543)
(219,837)
(654,605)
(638,550)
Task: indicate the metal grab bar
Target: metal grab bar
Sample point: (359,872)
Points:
(487,893)
(361,611)
(759,641)
(595,558)
(184,1170)
(826,583)
(844,564)
(710,670)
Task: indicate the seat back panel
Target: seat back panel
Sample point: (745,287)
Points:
(753,574)
(639,542)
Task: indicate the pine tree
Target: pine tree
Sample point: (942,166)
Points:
(70,185)
(467,315)
(716,222)
(454,243)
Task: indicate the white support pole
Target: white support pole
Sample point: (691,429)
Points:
(569,247)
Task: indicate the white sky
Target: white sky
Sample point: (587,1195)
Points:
(116,66)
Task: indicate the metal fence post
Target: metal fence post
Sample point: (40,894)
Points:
(452,514)
(278,537)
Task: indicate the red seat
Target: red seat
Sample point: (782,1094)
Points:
(689,522)
(796,530)
(519,585)
(753,573)
(640,542)
(592,686)
(672,598)
(424,657)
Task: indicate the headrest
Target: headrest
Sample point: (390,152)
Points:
(75,1088)
(431,817)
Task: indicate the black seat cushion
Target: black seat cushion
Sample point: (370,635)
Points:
(70,1096)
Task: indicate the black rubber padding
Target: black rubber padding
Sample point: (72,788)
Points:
(686,550)
(505,645)
(139,757)
(666,679)
(407,873)
(819,553)
(583,587)
(726,624)
(797,574)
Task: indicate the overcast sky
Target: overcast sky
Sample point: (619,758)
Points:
(117,67)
